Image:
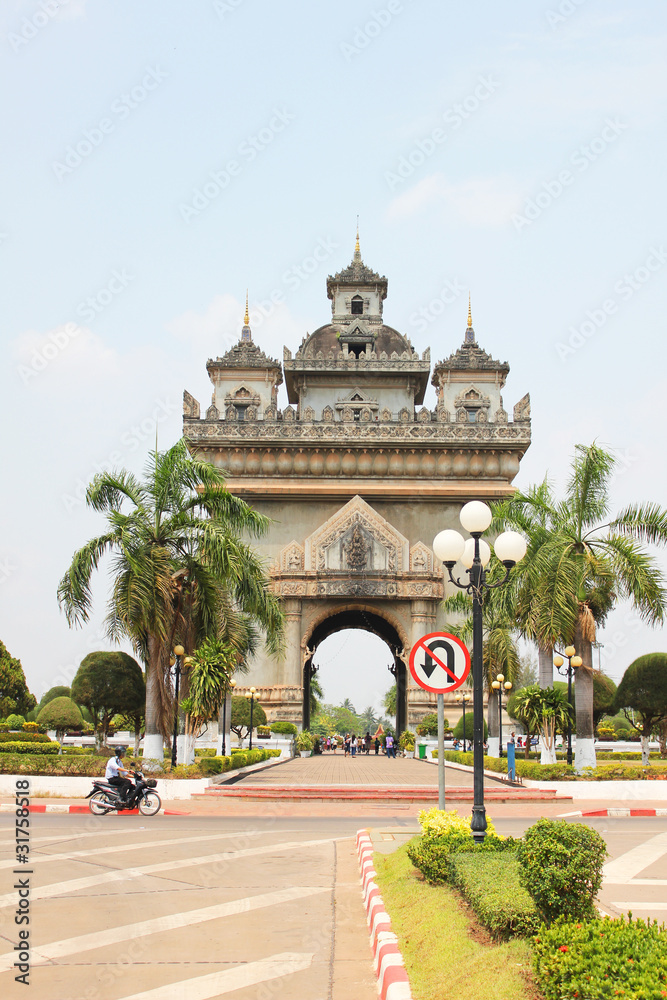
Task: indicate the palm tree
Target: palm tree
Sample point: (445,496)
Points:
(181,570)
(580,561)
(500,653)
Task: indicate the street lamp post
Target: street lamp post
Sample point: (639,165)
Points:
(251,695)
(498,686)
(231,686)
(573,661)
(462,700)
(178,656)
(474,553)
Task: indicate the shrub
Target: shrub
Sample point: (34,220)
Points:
(428,726)
(26,746)
(15,722)
(444,833)
(239,759)
(30,727)
(263,731)
(92,767)
(204,752)
(489,880)
(407,741)
(283,728)
(61,714)
(25,738)
(561,867)
(304,740)
(601,958)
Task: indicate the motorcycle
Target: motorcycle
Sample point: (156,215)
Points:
(105,798)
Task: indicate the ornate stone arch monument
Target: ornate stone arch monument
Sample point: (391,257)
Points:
(357,476)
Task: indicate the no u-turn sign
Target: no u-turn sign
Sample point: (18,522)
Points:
(439,662)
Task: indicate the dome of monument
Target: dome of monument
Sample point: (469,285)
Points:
(328,338)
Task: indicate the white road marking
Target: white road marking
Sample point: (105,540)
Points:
(622,870)
(219,983)
(640,906)
(126,932)
(122,874)
(101,852)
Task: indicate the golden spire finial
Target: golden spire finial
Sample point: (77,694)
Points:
(357,248)
(469,313)
(246,318)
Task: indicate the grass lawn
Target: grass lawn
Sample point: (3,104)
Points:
(447,954)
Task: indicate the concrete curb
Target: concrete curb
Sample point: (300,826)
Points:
(393,983)
(6,807)
(615,812)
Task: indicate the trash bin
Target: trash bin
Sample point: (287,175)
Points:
(422,751)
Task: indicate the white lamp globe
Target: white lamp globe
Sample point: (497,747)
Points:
(469,553)
(476,516)
(448,545)
(510,547)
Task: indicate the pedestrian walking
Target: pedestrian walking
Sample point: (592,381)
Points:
(346,744)
(377,746)
(353,745)
(389,745)
(367,742)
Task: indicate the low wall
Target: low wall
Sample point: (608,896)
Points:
(77,788)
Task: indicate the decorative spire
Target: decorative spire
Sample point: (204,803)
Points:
(246,335)
(357,248)
(470,333)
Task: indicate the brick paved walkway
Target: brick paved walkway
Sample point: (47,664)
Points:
(336,769)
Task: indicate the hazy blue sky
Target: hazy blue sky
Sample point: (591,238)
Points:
(161,156)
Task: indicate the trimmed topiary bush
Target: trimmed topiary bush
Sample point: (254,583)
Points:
(15,722)
(489,881)
(283,728)
(560,865)
(25,746)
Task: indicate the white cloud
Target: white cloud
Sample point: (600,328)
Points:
(480,201)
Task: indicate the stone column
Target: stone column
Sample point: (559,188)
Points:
(291,668)
(422,622)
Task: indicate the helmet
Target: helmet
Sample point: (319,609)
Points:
(121,751)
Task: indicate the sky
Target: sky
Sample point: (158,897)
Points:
(160,157)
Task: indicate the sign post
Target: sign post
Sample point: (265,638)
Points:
(439,662)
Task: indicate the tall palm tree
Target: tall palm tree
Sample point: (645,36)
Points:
(181,570)
(580,561)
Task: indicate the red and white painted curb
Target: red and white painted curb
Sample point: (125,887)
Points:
(616,812)
(62,808)
(392,978)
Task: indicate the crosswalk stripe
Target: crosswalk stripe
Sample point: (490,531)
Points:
(640,906)
(219,983)
(119,875)
(97,852)
(622,870)
(143,928)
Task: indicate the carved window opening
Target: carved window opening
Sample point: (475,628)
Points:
(241,412)
(357,305)
(357,415)
(472,416)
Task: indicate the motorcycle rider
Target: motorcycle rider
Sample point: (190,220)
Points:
(116,774)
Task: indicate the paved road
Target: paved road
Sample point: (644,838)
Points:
(336,769)
(155,909)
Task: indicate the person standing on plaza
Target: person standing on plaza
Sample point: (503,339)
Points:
(389,745)
(377,745)
(346,744)
(353,745)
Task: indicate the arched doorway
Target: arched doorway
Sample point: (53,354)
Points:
(368,621)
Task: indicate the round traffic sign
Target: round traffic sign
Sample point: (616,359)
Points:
(439,662)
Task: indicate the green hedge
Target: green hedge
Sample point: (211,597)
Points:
(283,728)
(489,881)
(23,738)
(21,746)
(92,767)
(602,958)
(557,772)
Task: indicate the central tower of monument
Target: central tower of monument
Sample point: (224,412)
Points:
(357,476)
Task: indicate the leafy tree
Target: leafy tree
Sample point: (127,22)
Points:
(470,723)
(580,561)
(109,683)
(59,691)
(316,695)
(63,715)
(368,720)
(428,726)
(604,696)
(541,710)
(241,716)
(525,672)
(389,701)
(347,704)
(643,688)
(14,694)
(181,571)
(213,664)
(15,721)
(323,724)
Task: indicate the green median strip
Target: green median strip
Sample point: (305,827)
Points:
(447,955)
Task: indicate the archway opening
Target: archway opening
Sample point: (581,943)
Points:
(378,662)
